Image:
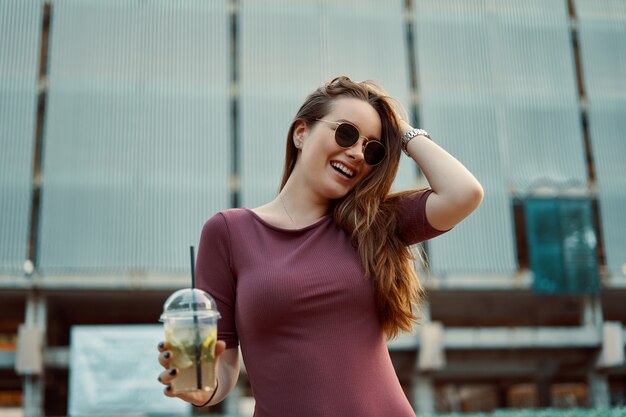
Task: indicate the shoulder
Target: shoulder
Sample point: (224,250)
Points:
(410,203)
(412,198)
(221,222)
(224,217)
(413,225)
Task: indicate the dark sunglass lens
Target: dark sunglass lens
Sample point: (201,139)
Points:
(346,135)
(374,152)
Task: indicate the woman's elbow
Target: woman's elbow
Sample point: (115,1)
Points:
(476,195)
(470,198)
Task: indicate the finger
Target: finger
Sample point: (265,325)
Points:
(165,358)
(166,377)
(168,391)
(163,346)
(220,347)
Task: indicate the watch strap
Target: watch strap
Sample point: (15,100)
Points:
(406,138)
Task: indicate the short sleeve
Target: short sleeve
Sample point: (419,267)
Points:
(214,275)
(413,226)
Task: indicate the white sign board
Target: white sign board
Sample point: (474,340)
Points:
(114,370)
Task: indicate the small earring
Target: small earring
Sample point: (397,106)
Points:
(298,144)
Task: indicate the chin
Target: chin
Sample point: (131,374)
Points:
(338,194)
(334,190)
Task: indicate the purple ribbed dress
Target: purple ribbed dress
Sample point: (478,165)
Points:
(299,304)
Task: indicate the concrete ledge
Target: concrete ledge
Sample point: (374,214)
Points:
(14,282)
(453,339)
(57,357)
(508,338)
(155,281)
(616,281)
(131,281)
(522,338)
(521,281)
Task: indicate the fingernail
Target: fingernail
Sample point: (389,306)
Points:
(168,388)
(173,371)
(166,355)
(159,379)
(161,345)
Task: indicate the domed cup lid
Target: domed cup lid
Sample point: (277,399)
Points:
(189,302)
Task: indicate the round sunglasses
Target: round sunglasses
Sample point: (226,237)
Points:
(346,135)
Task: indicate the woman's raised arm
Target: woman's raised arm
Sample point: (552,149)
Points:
(456,192)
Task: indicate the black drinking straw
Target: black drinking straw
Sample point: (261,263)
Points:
(195,320)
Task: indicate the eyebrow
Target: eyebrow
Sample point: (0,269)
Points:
(357,128)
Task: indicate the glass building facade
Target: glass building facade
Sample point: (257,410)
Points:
(125,124)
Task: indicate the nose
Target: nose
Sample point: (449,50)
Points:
(356,151)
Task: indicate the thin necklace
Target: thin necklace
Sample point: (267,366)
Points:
(286,211)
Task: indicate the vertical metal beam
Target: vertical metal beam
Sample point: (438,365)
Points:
(423,387)
(33,385)
(592,312)
(235,184)
(415,103)
(598,383)
(598,390)
(38,139)
(584,120)
(545,372)
(36,312)
(32,390)
(544,396)
(582,94)
(423,394)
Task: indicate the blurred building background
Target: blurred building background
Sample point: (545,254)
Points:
(125,124)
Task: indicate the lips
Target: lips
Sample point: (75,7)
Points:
(343,169)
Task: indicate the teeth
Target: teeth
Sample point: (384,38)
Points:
(343,169)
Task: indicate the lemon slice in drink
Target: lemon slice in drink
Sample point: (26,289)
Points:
(210,339)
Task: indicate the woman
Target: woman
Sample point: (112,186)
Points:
(314,282)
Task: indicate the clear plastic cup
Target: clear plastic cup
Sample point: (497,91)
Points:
(190,322)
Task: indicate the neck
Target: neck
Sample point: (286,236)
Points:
(300,205)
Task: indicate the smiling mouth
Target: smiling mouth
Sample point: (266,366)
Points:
(342,169)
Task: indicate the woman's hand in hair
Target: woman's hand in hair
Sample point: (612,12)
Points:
(457,193)
(404,126)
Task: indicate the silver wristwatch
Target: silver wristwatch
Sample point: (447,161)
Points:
(406,138)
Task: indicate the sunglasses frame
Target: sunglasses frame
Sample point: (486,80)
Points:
(365,143)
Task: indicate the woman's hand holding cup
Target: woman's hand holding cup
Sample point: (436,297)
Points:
(166,357)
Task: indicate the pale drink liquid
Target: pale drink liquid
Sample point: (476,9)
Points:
(188,340)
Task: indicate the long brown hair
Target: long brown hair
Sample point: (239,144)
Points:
(368,212)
